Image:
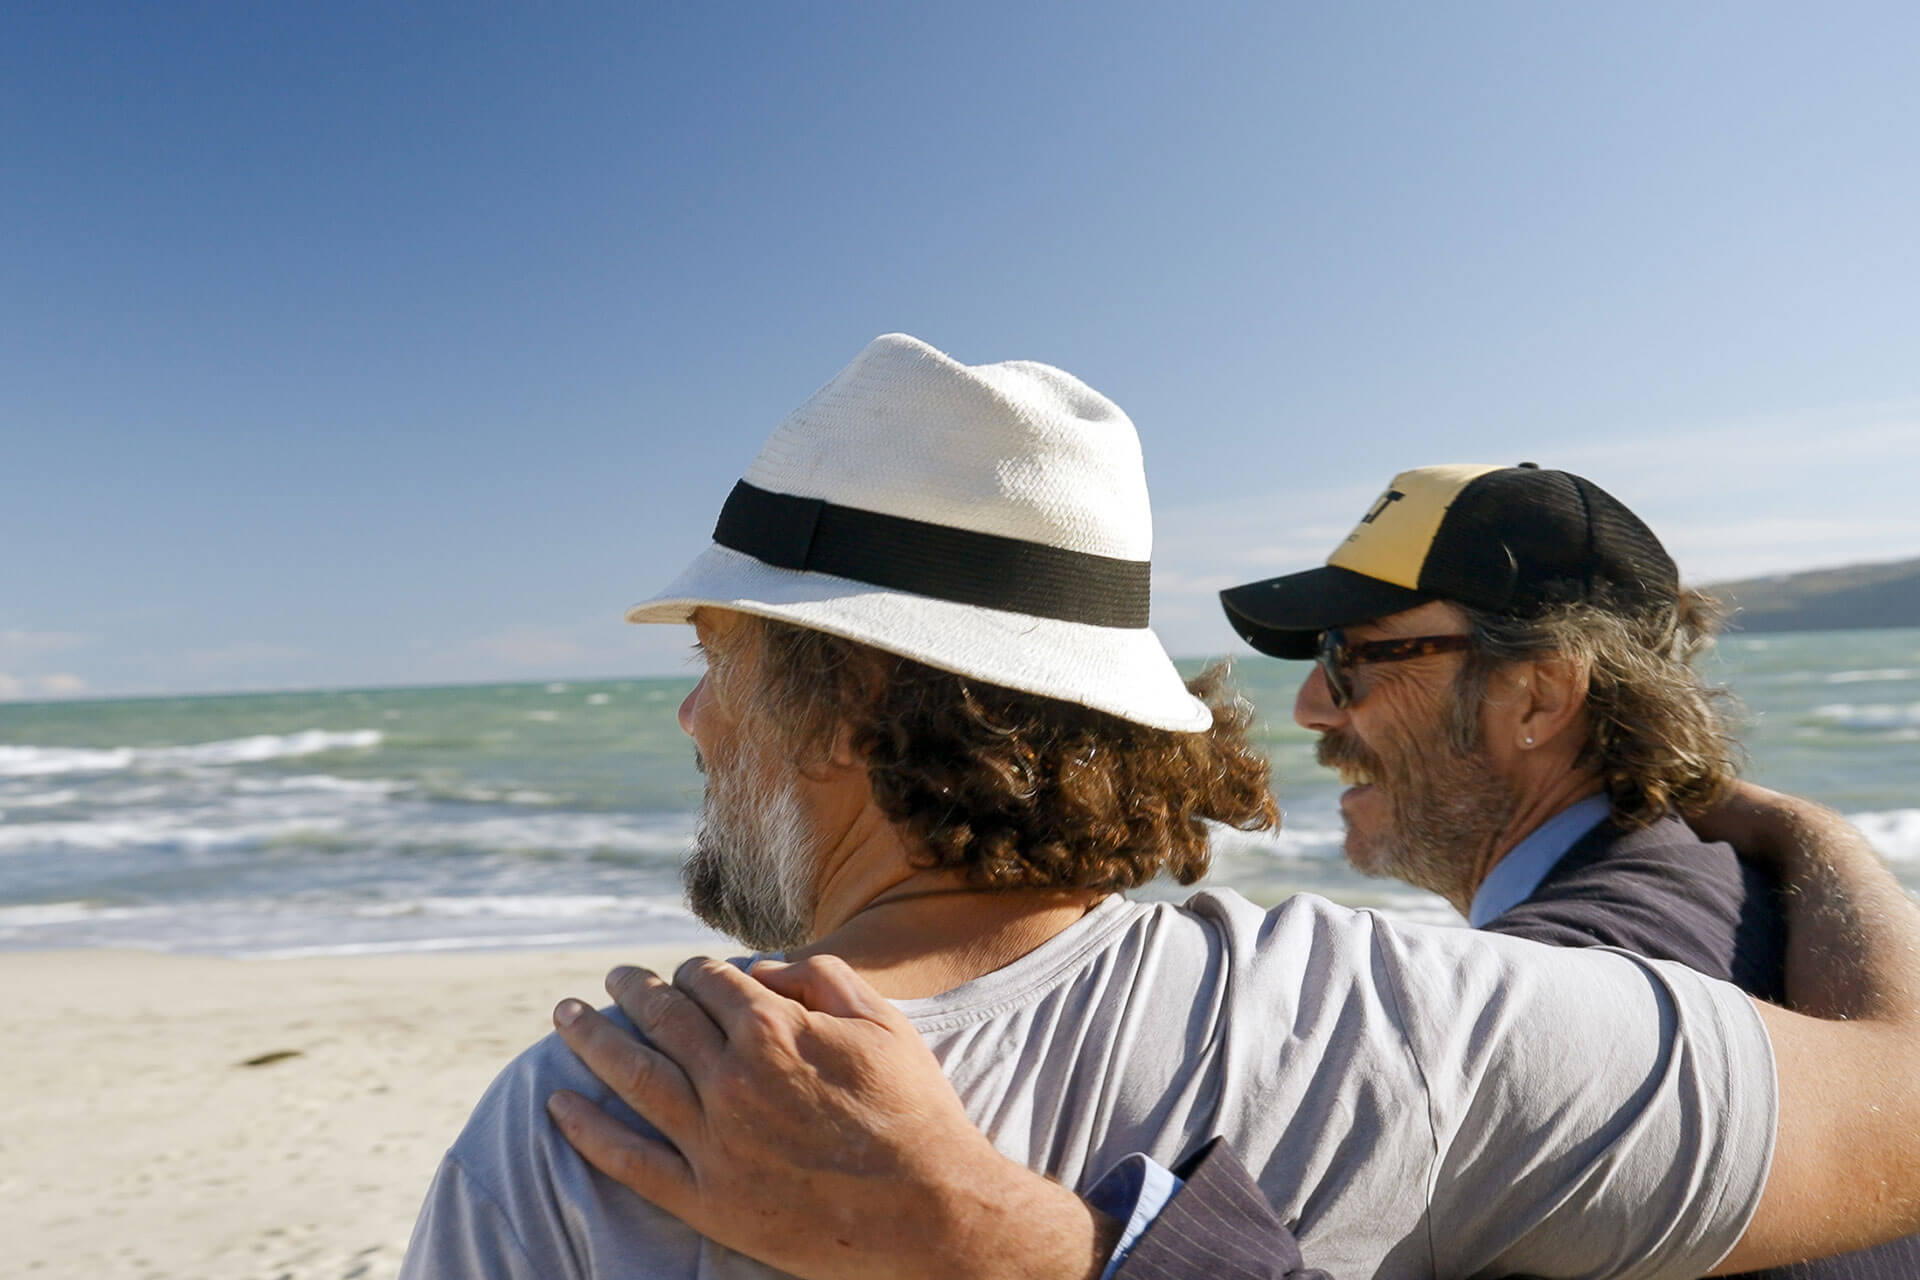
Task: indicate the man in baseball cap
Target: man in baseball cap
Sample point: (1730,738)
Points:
(1505,675)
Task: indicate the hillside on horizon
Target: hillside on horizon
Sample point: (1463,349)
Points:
(1851,597)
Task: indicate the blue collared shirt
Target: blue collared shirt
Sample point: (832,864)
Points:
(1515,877)
(1135,1191)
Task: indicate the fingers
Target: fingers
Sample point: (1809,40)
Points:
(650,1168)
(739,1005)
(646,1080)
(677,1026)
(828,984)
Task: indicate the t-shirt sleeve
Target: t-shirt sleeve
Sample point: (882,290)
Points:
(463,1231)
(1595,1113)
(513,1199)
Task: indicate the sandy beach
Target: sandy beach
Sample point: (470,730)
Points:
(188,1116)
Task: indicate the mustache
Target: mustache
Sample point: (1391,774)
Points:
(699,761)
(1337,747)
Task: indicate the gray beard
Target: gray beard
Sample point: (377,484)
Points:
(1442,831)
(1445,811)
(750,872)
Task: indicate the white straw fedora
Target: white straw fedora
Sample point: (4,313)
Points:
(988,520)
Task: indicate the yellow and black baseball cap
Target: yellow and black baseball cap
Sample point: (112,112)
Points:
(1508,540)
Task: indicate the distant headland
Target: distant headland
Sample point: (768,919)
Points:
(1853,597)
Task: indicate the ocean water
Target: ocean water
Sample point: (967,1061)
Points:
(556,814)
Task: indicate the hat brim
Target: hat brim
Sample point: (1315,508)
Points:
(1283,617)
(1123,671)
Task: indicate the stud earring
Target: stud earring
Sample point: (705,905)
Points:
(1528,741)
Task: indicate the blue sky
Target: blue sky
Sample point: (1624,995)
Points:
(363,344)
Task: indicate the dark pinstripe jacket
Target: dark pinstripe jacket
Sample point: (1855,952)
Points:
(1217,1227)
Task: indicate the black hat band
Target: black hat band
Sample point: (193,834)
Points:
(958,565)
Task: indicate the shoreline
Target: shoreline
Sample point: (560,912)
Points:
(169,1115)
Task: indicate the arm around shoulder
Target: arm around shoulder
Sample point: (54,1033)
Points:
(1846,1165)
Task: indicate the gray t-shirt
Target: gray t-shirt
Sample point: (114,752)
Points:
(1415,1101)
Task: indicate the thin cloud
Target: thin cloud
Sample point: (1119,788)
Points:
(531,648)
(245,655)
(59,684)
(21,646)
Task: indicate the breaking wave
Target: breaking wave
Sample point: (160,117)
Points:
(41,762)
(1869,717)
(1894,832)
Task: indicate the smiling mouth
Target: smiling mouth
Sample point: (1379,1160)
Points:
(1346,757)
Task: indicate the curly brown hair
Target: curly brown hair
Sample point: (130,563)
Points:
(1660,737)
(1013,789)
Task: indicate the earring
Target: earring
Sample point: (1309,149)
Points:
(1528,741)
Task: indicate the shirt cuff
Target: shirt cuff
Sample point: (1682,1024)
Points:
(1134,1191)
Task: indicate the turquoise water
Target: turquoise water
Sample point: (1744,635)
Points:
(555,814)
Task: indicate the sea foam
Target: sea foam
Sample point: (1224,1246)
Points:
(1894,832)
(277,928)
(36,762)
(1870,717)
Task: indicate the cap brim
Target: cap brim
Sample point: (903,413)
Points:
(1283,617)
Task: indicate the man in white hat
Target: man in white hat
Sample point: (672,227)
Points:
(940,738)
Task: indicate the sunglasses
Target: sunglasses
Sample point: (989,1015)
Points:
(1338,657)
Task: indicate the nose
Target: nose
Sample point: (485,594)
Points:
(1313,706)
(687,706)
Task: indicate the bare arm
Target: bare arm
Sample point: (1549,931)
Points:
(815,1133)
(1846,1166)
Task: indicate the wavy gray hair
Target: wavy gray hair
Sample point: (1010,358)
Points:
(1658,734)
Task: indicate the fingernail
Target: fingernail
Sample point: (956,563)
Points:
(620,973)
(566,1011)
(559,1105)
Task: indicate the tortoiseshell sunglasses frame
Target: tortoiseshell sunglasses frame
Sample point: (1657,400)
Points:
(1338,658)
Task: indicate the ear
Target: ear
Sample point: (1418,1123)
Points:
(1547,697)
(843,756)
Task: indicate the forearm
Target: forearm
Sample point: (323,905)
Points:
(1850,926)
(1012,1224)
(1853,933)
(1846,1170)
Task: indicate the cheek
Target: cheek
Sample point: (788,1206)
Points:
(1400,749)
